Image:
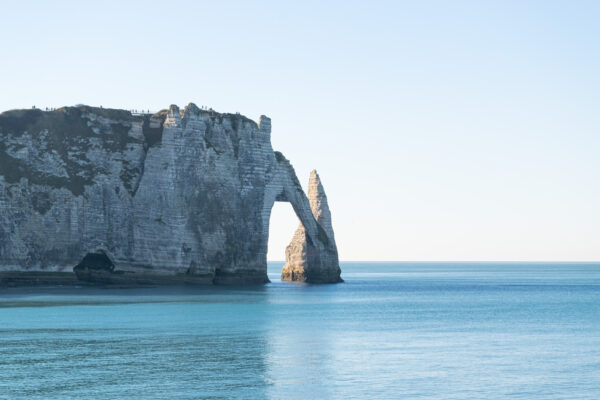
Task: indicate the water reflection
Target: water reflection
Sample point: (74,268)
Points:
(178,343)
(433,331)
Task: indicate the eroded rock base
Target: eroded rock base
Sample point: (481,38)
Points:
(21,279)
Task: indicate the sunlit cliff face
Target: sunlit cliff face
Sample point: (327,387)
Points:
(178,195)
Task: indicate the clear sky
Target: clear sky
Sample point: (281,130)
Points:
(441,130)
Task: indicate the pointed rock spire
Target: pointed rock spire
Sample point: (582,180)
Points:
(313,259)
(318,203)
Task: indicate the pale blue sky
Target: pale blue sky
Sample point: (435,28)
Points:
(441,130)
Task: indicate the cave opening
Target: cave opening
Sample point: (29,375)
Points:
(97,261)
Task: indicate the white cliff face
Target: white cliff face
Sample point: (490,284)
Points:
(177,196)
(318,203)
(307,260)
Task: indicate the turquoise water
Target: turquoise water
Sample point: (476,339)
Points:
(392,331)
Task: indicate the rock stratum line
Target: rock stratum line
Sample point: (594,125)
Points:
(181,196)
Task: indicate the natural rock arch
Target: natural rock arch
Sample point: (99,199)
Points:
(181,195)
(312,254)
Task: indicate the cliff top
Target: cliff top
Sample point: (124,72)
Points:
(19,119)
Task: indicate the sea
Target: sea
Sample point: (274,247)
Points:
(393,330)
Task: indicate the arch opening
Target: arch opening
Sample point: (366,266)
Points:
(283,223)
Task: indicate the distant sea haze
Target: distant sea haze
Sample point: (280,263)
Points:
(391,331)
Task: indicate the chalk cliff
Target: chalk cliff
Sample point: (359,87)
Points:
(305,260)
(178,196)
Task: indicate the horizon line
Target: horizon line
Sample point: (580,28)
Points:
(465,261)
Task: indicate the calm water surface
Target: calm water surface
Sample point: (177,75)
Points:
(392,331)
